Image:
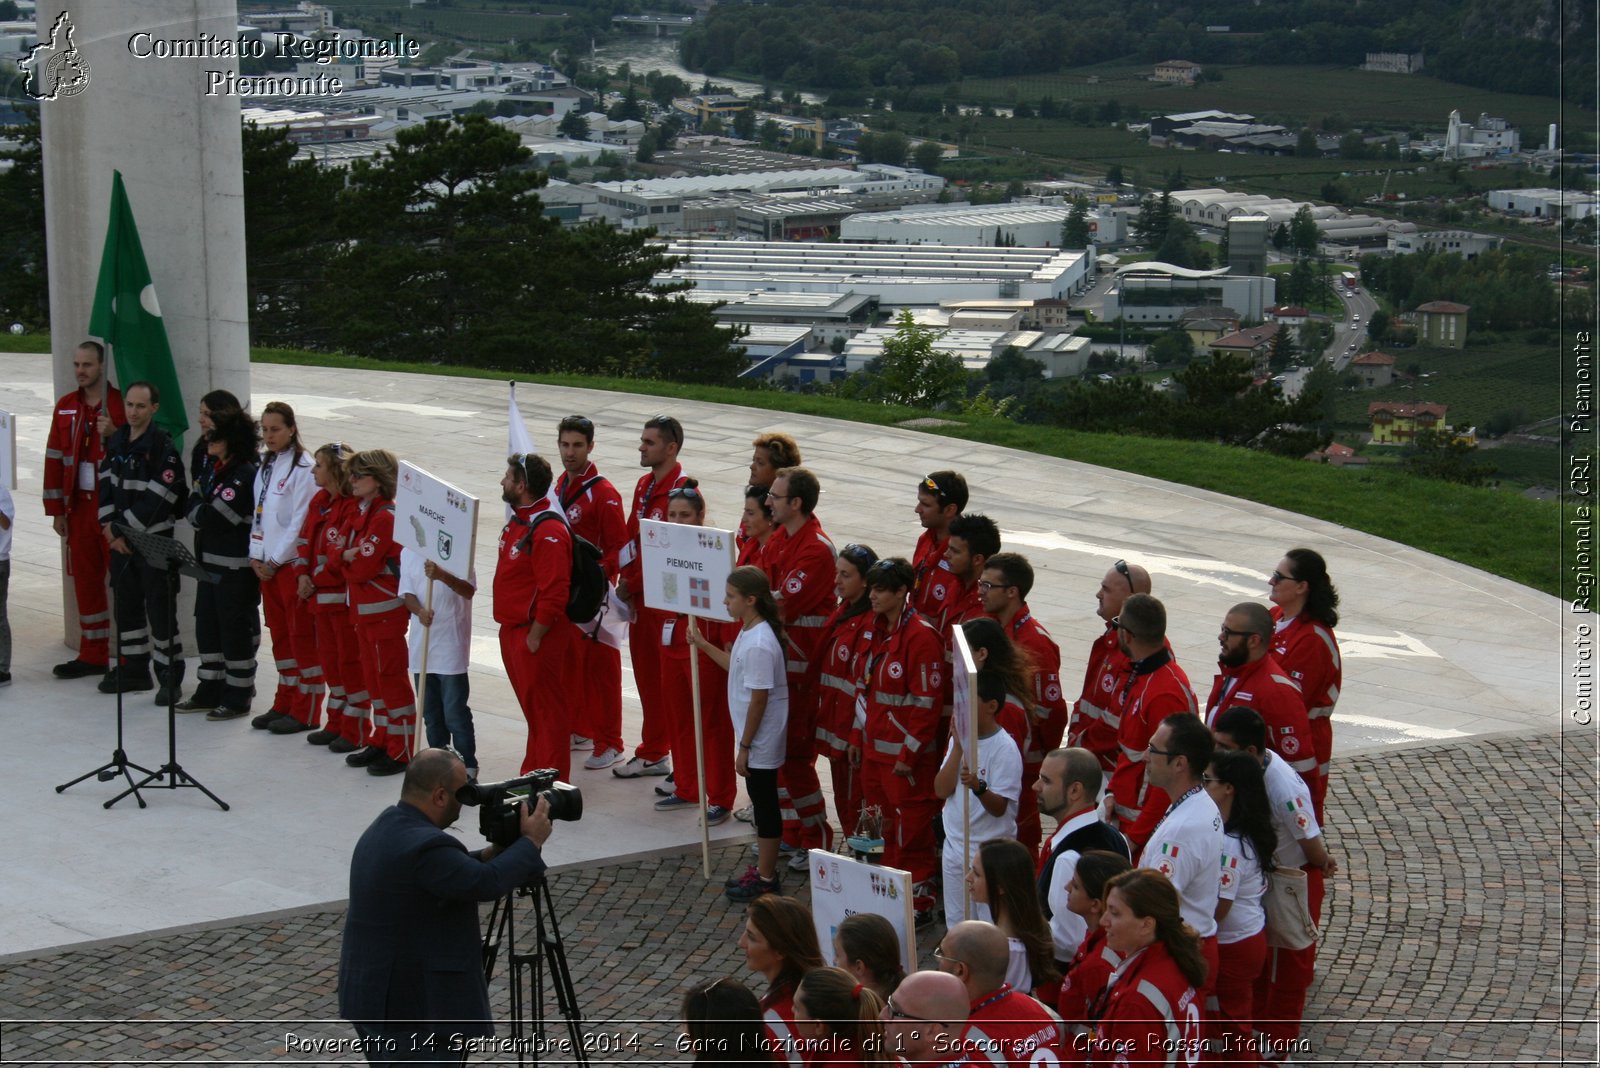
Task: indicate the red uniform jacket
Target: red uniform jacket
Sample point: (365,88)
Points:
(1086,976)
(1151,1015)
(1007,1028)
(1155,688)
(534,576)
(1050,704)
(843,654)
(1094,727)
(800,569)
(595,515)
(75,439)
(902,683)
(752,553)
(322,537)
(1310,657)
(373,577)
(649,502)
(926,561)
(1267,688)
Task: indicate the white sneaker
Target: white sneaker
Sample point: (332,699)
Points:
(580,742)
(746,814)
(638,767)
(603,759)
(800,860)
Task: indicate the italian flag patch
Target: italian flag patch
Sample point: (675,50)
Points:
(1168,849)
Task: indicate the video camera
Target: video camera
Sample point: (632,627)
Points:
(497,803)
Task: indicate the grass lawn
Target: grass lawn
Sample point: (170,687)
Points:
(1476,382)
(1499,532)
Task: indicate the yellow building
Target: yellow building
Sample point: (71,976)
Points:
(1397,424)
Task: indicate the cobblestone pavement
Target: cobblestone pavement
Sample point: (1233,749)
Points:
(1459,931)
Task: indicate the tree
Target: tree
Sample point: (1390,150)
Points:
(628,107)
(744,124)
(1075,228)
(1114,175)
(1282,352)
(1306,146)
(287,248)
(1174,346)
(647,148)
(1440,454)
(1378,326)
(1280,236)
(1303,232)
(771,135)
(1155,215)
(24,278)
(910,372)
(574,126)
(1352,146)
(666,88)
(927,156)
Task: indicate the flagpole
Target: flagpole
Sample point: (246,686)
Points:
(700,759)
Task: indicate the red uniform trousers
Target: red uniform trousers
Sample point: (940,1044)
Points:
(805,814)
(847,798)
(1322,745)
(540,682)
(355,721)
(722,786)
(644,648)
(385,664)
(1280,996)
(599,712)
(294,647)
(909,844)
(1238,966)
(88,562)
(330,627)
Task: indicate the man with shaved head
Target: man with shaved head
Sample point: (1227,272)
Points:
(1094,719)
(1251,676)
(1003,1026)
(1068,789)
(923,1020)
(413,917)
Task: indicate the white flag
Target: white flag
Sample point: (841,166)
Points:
(517,440)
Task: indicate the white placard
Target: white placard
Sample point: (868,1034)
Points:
(685,569)
(436,519)
(8,448)
(964,692)
(842,887)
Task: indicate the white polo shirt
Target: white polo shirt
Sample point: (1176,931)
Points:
(1292,816)
(1186,847)
(1244,884)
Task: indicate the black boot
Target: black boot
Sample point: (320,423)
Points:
(171,679)
(130,676)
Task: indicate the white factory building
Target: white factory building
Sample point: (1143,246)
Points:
(1544,203)
(895,275)
(1033,225)
(1155,292)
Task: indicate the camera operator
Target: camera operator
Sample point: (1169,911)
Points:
(411,972)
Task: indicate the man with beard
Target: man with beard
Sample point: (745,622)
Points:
(1252,677)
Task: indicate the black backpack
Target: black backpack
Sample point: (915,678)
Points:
(588,579)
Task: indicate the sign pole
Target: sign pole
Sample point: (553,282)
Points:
(422,674)
(700,759)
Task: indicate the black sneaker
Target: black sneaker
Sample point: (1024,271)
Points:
(288,725)
(195,704)
(78,669)
(166,696)
(120,680)
(753,886)
(222,712)
(752,872)
(385,765)
(5,678)
(362,757)
(341,745)
(267,719)
(322,737)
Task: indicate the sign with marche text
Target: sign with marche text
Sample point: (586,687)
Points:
(685,568)
(435,519)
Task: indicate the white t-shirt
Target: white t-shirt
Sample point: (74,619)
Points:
(1185,848)
(1244,884)
(8,509)
(1292,816)
(999,765)
(1018,974)
(756,663)
(450,637)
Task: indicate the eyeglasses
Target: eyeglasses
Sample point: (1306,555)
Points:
(1122,569)
(941,955)
(779,497)
(933,487)
(859,555)
(338,448)
(586,425)
(897,1013)
(1278,576)
(1116,623)
(670,428)
(688,493)
(985,585)
(1229,632)
(1153,751)
(1209,779)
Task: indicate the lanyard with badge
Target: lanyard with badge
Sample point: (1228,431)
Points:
(257,533)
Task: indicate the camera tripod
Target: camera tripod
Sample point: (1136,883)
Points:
(527,1031)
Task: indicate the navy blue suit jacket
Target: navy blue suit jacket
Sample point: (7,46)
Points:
(412,944)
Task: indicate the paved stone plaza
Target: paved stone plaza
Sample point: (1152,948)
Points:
(1458,932)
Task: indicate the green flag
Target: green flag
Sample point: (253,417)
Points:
(128,319)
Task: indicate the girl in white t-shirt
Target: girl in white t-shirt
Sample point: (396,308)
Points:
(1236,783)
(758,702)
(980,796)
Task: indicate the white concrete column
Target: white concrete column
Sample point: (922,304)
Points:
(179,153)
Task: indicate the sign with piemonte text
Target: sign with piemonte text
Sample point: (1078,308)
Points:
(436,519)
(685,568)
(842,887)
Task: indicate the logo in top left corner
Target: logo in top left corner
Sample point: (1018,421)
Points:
(55,67)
